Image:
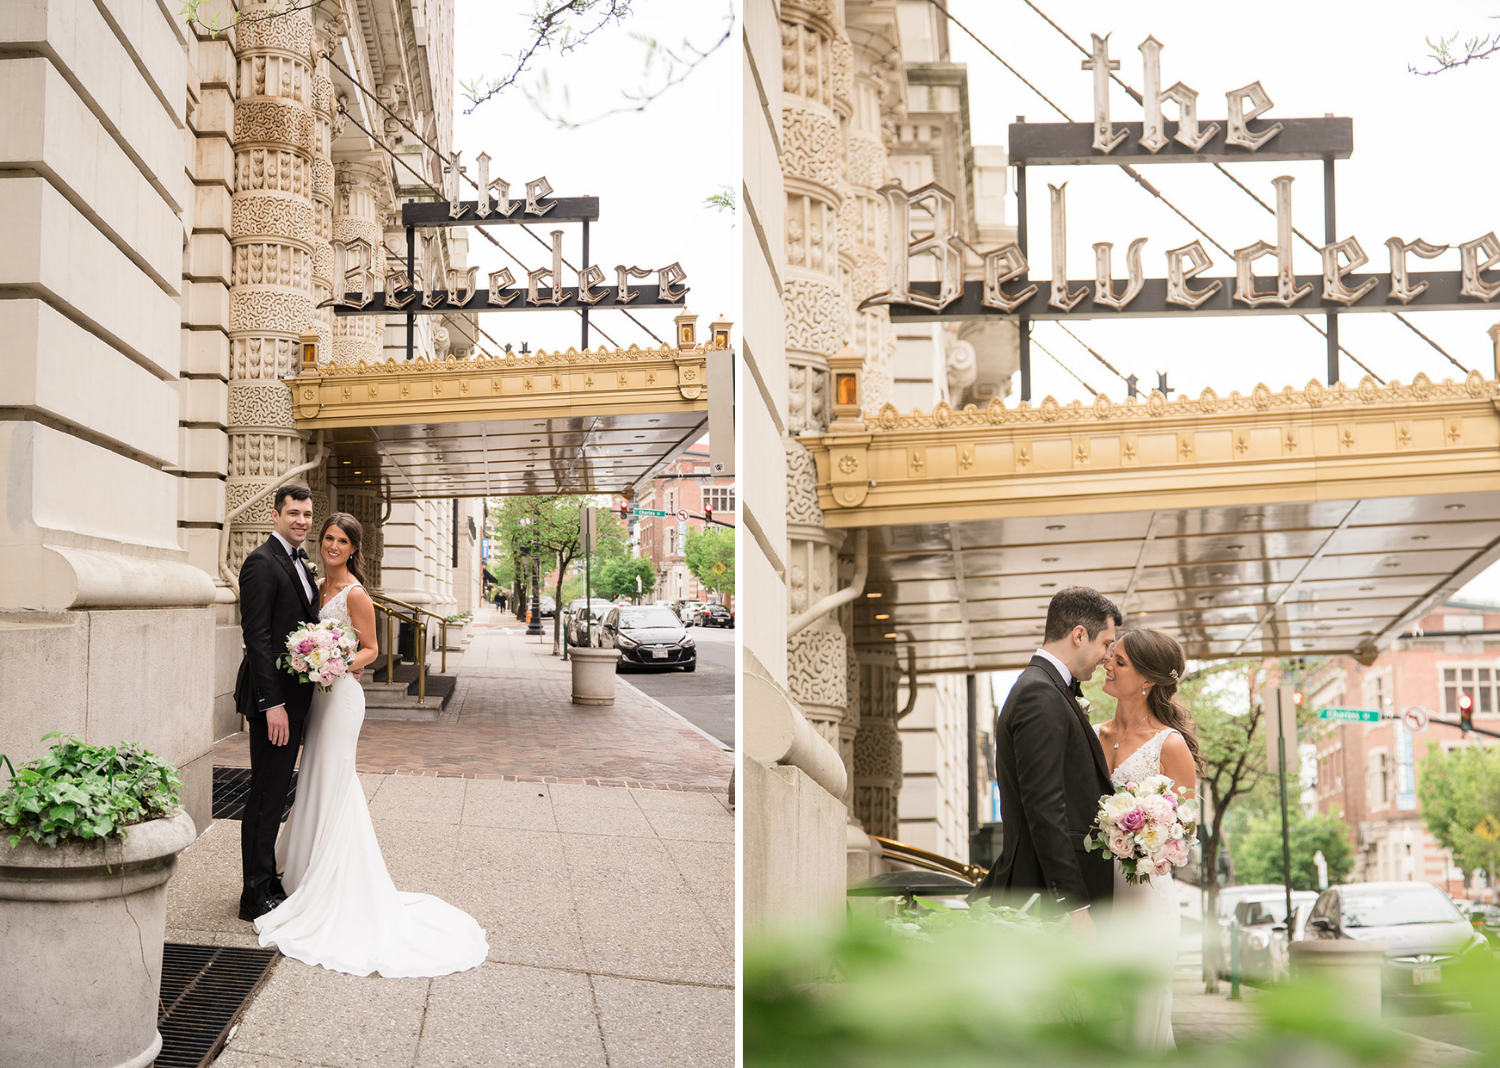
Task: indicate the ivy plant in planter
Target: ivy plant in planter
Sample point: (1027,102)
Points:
(89,837)
(79,792)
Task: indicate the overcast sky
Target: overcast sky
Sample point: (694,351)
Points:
(651,170)
(1424,165)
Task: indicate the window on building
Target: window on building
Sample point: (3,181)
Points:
(719,498)
(1477,682)
(1375,693)
(1378,785)
(671,542)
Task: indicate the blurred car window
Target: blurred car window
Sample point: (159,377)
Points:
(1392,907)
(642,618)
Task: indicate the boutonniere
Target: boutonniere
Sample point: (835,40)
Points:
(1083,705)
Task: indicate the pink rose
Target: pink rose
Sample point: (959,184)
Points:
(305,646)
(336,668)
(1163,867)
(1132,821)
(1176,851)
(1119,845)
(326,639)
(1158,809)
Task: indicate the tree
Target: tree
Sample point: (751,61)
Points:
(619,579)
(1460,796)
(545,527)
(707,548)
(1257,849)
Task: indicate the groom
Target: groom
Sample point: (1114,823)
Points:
(277,595)
(1051,769)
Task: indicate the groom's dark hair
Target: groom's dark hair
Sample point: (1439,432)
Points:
(1079,606)
(296,493)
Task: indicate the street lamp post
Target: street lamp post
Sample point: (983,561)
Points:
(534,627)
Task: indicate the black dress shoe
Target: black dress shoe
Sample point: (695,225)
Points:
(254,910)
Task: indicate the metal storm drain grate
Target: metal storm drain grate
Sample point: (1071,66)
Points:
(203,991)
(232,785)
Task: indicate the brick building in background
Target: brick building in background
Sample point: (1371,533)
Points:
(684,485)
(1369,771)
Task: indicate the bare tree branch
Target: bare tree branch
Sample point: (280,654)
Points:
(1442,53)
(554,26)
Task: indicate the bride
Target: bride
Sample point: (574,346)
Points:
(1151,734)
(342,910)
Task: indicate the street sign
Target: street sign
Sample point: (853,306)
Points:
(1415,718)
(652,512)
(1489,827)
(1349,715)
(718,568)
(682,516)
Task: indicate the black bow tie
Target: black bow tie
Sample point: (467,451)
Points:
(1076,689)
(299,553)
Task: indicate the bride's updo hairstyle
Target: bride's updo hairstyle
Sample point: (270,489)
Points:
(350,526)
(1158,658)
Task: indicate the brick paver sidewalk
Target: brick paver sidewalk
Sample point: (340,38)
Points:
(512,717)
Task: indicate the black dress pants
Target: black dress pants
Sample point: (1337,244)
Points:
(271,769)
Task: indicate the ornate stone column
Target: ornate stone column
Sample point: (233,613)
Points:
(874,83)
(877,745)
(361,190)
(812,48)
(272,230)
(816,662)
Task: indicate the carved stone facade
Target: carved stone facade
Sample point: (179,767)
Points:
(273,230)
(877,744)
(360,189)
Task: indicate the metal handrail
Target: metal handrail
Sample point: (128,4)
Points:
(421,638)
(891,849)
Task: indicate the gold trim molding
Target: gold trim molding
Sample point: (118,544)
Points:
(1320,442)
(600,381)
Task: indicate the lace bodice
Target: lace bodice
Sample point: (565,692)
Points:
(1143,763)
(337,608)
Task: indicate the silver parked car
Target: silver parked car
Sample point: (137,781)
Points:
(1424,932)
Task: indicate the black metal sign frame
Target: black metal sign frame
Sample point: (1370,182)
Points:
(1037,144)
(639,297)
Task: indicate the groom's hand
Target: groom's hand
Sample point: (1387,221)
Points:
(277,728)
(1082,922)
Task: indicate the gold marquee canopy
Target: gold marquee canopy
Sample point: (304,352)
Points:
(1302,522)
(597,421)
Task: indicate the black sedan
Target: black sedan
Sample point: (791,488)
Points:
(1423,930)
(716,615)
(648,636)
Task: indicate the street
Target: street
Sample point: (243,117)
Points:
(704,698)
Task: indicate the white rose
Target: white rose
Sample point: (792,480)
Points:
(1156,784)
(1187,812)
(1117,805)
(1152,839)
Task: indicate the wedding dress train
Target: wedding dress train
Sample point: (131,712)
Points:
(1150,911)
(342,910)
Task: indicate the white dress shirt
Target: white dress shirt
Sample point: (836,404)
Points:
(312,597)
(1066,674)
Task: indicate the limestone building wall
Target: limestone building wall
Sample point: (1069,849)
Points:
(167,201)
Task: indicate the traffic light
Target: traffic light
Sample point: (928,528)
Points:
(708,513)
(624,512)
(1297,698)
(1465,712)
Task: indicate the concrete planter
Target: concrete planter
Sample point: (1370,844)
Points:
(593,675)
(82,927)
(1348,967)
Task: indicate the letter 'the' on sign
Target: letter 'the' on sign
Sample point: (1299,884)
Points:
(1106,137)
(1154,133)
(1239,119)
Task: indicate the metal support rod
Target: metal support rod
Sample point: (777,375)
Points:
(421,644)
(390,647)
(444,635)
(585,314)
(1286,837)
(1023,324)
(1329,237)
(411,276)
(972,686)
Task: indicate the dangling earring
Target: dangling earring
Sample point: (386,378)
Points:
(1143,690)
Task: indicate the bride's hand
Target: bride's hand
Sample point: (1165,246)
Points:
(1082,922)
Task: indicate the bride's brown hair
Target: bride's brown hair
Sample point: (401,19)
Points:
(1158,658)
(350,526)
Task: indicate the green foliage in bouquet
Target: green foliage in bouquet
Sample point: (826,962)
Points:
(80,792)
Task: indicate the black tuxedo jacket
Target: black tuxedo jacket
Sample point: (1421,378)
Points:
(1051,771)
(272,605)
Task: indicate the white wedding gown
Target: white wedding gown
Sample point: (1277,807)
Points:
(342,910)
(1151,913)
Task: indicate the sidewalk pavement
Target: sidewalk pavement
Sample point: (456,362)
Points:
(606,887)
(1200,1019)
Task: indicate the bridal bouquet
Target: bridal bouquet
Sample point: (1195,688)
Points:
(320,652)
(1147,827)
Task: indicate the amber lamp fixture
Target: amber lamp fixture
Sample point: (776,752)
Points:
(847,369)
(309,353)
(687,330)
(720,332)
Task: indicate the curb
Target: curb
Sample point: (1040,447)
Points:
(676,715)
